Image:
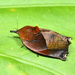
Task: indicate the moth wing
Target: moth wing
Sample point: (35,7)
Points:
(54,41)
(46,43)
(37,44)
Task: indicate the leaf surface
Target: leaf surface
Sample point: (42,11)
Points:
(21,61)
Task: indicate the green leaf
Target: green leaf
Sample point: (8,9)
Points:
(21,61)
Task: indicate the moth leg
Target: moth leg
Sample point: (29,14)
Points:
(22,45)
(37,55)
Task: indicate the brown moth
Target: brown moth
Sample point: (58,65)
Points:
(45,42)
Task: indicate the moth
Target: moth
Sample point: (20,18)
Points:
(45,42)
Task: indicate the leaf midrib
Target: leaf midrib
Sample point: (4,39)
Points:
(36,5)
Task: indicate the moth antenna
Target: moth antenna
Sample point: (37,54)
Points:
(17,21)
